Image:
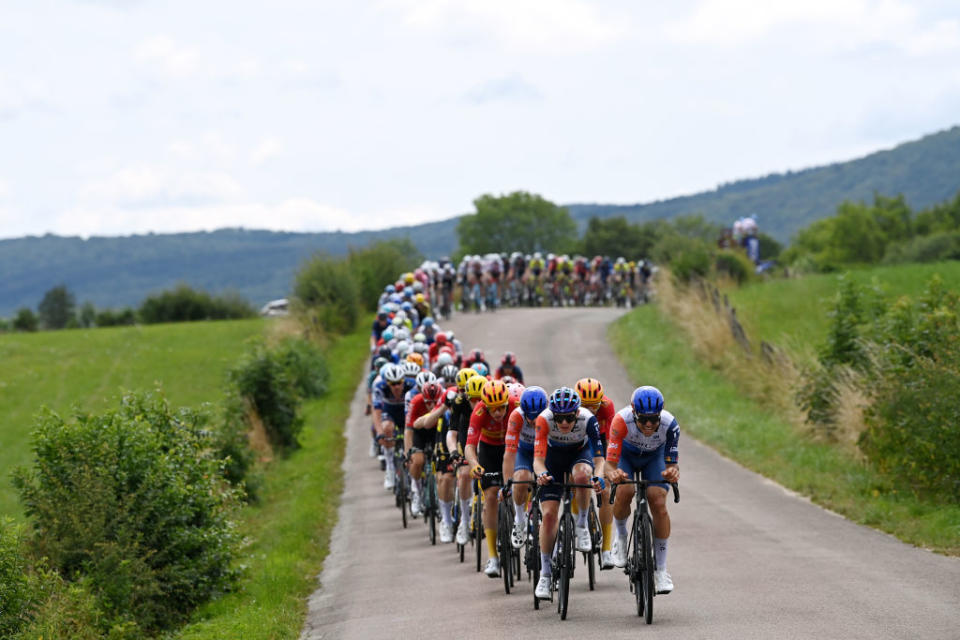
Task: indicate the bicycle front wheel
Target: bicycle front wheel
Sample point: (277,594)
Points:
(648,567)
(566,563)
(477,524)
(593,525)
(503,544)
(431,491)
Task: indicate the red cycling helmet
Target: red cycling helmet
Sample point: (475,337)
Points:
(509,359)
(432,392)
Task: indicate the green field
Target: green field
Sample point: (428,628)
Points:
(89,369)
(792,313)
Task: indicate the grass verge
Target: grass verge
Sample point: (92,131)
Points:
(289,529)
(713,409)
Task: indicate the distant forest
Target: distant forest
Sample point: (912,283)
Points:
(260,265)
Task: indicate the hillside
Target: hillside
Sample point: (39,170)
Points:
(260,265)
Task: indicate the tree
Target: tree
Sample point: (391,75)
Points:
(25,320)
(379,264)
(519,221)
(88,315)
(57,308)
(616,237)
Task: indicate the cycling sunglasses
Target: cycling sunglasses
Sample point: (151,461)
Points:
(644,418)
(565,417)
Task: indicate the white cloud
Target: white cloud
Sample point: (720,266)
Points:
(4,189)
(844,24)
(147,186)
(269,147)
(545,25)
(168,57)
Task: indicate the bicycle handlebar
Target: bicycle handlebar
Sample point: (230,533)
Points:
(644,484)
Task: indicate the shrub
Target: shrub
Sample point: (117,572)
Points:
(305,363)
(133,501)
(933,248)
(25,320)
(688,257)
(17,593)
(184,304)
(328,288)
(110,318)
(734,264)
(379,264)
(263,380)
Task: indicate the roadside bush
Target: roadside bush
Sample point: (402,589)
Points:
(688,257)
(111,318)
(133,501)
(328,288)
(379,264)
(305,363)
(17,593)
(185,304)
(734,264)
(71,611)
(25,320)
(263,379)
(933,248)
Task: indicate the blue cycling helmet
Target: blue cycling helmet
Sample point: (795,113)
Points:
(564,400)
(406,306)
(387,334)
(428,321)
(647,400)
(480,368)
(533,401)
(389,288)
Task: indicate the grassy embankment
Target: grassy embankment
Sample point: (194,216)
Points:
(90,368)
(290,527)
(713,407)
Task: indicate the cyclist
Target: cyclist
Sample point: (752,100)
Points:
(388,413)
(644,437)
(508,367)
(470,386)
(485,446)
(381,323)
(420,433)
(594,400)
(518,457)
(567,441)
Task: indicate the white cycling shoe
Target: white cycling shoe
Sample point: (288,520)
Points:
(518,535)
(584,543)
(662,581)
(543,588)
(493,568)
(463,533)
(416,509)
(388,480)
(374,449)
(446,534)
(606,560)
(620,551)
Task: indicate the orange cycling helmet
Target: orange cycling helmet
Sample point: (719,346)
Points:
(590,390)
(415,357)
(495,394)
(475,386)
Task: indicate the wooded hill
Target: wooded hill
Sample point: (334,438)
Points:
(119,271)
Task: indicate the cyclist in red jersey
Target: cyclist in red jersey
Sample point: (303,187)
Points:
(485,447)
(594,400)
(420,434)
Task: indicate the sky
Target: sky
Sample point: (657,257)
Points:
(132,116)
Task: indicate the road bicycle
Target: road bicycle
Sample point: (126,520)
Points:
(509,557)
(640,559)
(476,516)
(401,487)
(428,494)
(592,558)
(531,543)
(564,555)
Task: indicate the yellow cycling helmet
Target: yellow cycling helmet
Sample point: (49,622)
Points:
(463,376)
(495,394)
(408,278)
(419,298)
(475,386)
(590,390)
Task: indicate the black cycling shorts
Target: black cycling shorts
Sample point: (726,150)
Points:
(490,457)
(424,439)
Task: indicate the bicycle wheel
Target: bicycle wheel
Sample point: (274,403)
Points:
(647,564)
(477,526)
(593,525)
(402,494)
(503,544)
(431,507)
(634,563)
(566,563)
(456,520)
(533,552)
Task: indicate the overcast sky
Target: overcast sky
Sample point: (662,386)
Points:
(129,116)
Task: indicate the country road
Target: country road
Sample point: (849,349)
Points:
(748,558)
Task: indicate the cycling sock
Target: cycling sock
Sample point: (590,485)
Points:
(622,527)
(582,519)
(660,553)
(446,512)
(415,487)
(491,542)
(388,457)
(465,510)
(519,514)
(546,566)
(574,509)
(607,536)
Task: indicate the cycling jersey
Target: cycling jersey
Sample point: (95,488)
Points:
(460,420)
(521,433)
(423,439)
(389,404)
(517,373)
(605,413)
(584,432)
(483,427)
(625,435)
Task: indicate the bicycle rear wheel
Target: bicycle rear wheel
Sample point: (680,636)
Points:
(593,525)
(431,507)
(634,563)
(402,494)
(533,552)
(648,567)
(477,527)
(566,563)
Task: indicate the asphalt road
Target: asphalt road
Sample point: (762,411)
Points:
(748,558)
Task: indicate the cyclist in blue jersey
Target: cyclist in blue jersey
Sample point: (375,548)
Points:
(389,413)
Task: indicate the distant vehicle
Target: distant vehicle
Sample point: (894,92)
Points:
(276,308)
